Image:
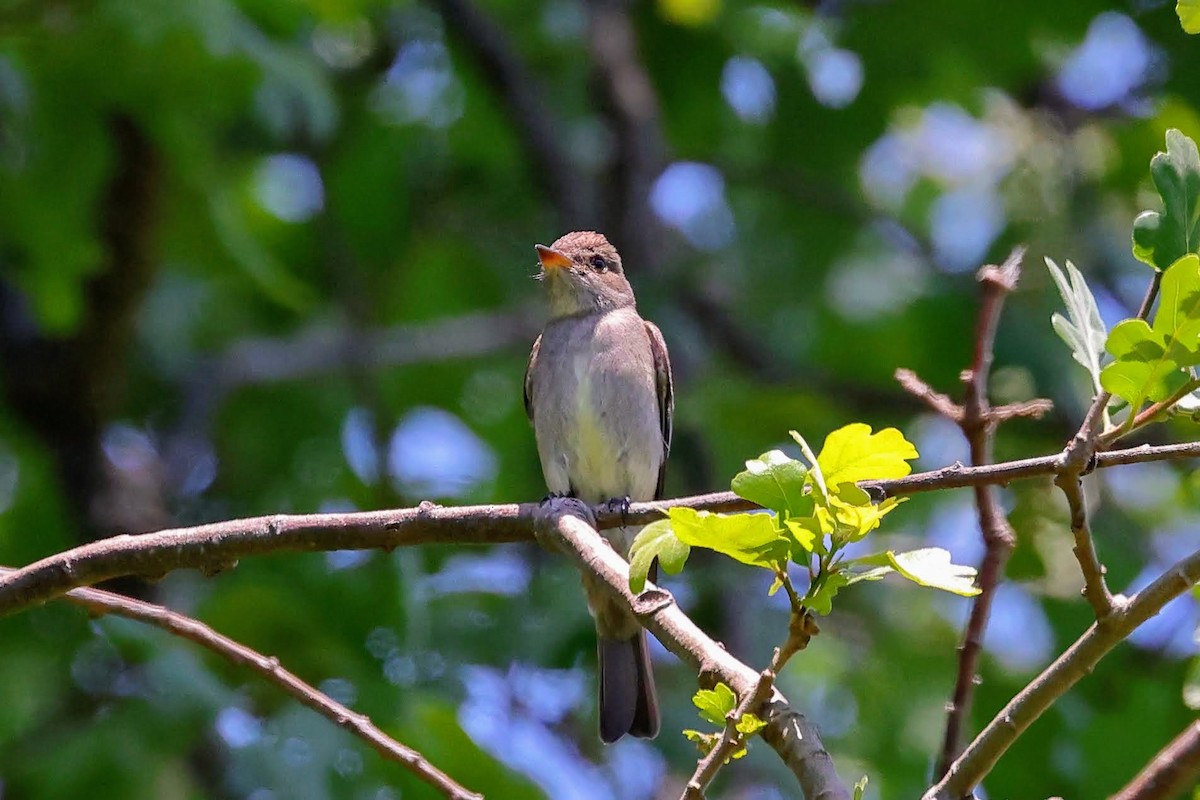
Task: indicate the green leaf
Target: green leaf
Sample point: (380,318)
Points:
(873,574)
(704,741)
(750,724)
(1144,368)
(804,533)
(656,540)
(774,481)
(932,567)
(853,454)
(1189,15)
(821,601)
(1162,238)
(854,515)
(1150,359)
(715,704)
(1084,332)
(752,539)
(1178,315)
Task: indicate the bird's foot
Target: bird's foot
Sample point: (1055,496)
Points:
(620,505)
(553,496)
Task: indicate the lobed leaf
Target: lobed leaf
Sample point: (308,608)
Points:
(853,454)
(774,481)
(1151,359)
(656,540)
(1162,238)
(1189,15)
(821,601)
(932,567)
(752,539)
(715,704)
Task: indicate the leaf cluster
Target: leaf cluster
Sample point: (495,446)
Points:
(1147,359)
(811,512)
(716,705)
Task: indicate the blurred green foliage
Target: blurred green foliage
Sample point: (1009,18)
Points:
(287,180)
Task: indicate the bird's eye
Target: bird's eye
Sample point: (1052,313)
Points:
(599,264)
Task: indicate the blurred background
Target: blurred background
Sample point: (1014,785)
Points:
(263,256)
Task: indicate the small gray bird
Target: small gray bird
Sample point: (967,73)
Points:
(598,391)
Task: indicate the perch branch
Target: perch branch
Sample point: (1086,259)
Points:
(219,545)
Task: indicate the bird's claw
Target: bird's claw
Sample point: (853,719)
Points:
(619,505)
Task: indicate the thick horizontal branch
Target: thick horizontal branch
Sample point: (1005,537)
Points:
(983,753)
(787,731)
(100,602)
(219,545)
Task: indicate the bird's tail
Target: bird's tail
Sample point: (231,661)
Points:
(628,701)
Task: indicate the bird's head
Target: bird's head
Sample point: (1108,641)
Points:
(583,274)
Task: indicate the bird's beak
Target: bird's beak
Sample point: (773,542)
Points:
(551,259)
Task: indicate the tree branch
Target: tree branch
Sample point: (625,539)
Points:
(216,546)
(978,422)
(788,732)
(1169,774)
(1079,659)
(99,603)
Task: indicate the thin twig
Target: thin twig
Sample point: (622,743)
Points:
(1148,414)
(1169,774)
(1079,660)
(731,738)
(978,423)
(1076,460)
(100,602)
(1095,588)
(801,628)
(219,545)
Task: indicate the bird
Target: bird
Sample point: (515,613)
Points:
(599,393)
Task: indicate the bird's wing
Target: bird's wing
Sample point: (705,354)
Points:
(666,396)
(529,374)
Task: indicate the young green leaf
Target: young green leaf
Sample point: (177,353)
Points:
(860,788)
(932,567)
(715,703)
(1189,15)
(853,454)
(774,481)
(821,601)
(1143,367)
(750,724)
(705,742)
(855,520)
(656,540)
(805,533)
(1151,359)
(752,539)
(1084,332)
(1162,238)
